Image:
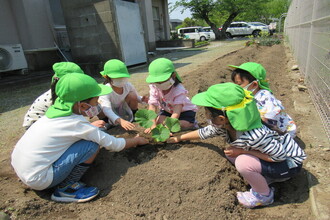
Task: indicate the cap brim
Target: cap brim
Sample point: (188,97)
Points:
(104,90)
(154,79)
(115,76)
(234,66)
(201,100)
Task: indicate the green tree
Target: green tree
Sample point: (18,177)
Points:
(190,22)
(211,10)
(265,12)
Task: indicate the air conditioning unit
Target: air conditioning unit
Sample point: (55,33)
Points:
(12,57)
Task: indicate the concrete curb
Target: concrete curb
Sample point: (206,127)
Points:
(319,210)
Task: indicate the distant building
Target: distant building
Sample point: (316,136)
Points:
(84,31)
(174,23)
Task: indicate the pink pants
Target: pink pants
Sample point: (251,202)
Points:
(250,168)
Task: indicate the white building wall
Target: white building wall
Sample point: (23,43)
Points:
(26,22)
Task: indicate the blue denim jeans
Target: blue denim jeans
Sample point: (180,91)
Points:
(76,154)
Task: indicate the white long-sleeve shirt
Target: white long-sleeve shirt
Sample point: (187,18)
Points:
(114,105)
(47,139)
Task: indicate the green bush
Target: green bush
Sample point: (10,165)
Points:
(201,43)
(263,40)
(176,36)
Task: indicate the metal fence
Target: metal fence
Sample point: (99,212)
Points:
(307,26)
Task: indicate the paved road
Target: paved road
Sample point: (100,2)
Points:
(186,60)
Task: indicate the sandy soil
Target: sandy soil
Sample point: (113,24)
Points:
(191,180)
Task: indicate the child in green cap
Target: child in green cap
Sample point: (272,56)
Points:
(168,94)
(260,155)
(59,148)
(42,103)
(252,76)
(119,106)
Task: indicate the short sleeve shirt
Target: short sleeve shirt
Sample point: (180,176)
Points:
(273,110)
(176,96)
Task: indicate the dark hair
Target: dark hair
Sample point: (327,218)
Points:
(216,112)
(107,80)
(87,100)
(52,88)
(176,80)
(243,74)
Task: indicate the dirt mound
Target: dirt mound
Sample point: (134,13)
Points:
(191,180)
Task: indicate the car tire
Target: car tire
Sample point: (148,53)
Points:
(228,35)
(202,38)
(255,33)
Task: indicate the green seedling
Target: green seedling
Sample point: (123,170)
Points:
(161,132)
(145,117)
(172,124)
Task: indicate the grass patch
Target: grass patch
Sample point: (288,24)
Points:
(201,43)
(264,40)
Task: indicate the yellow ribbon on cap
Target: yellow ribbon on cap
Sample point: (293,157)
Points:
(248,98)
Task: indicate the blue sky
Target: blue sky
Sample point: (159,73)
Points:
(177,13)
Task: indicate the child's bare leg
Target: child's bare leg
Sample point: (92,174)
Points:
(186,124)
(160,119)
(132,100)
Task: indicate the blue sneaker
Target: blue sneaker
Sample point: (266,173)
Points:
(76,192)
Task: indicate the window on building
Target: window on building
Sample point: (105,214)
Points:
(155,13)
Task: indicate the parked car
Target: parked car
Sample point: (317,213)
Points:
(245,29)
(272,27)
(259,26)
(197,33)
(209,30)
(257,23)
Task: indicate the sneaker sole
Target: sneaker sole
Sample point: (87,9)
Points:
(239,194)
(68,199)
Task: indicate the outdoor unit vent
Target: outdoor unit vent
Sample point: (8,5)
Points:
(12,57)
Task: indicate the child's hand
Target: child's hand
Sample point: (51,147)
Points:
(233,152)
(173,140)
(148,130)
(98,123)
(141,140)
(145,98)
(126,124)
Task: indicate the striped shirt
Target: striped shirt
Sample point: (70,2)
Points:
(279,148)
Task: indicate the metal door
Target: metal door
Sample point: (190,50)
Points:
(130,32)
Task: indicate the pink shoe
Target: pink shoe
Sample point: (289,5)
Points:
(252,199)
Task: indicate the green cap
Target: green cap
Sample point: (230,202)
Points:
(257,71)
(115,69)
(73,88)
(62,68)
(241,109)
(161,70)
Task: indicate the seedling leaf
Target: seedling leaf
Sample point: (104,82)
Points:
(160,133)
(144,117)
(173,124)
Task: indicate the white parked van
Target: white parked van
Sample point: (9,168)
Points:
(196,33)
(212,34)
